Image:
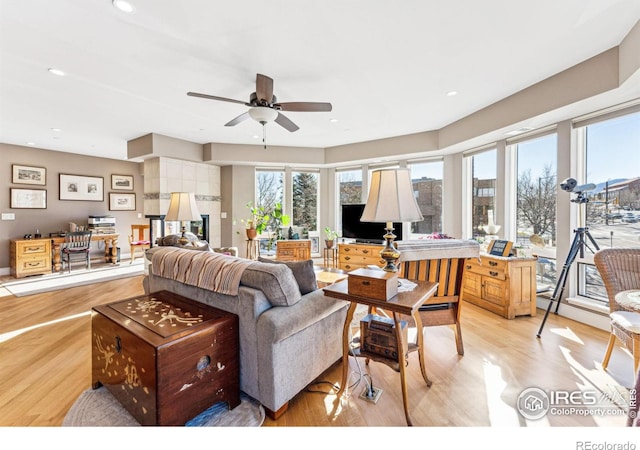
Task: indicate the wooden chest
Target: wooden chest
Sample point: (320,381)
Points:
(293,250)
(164,357)
(376,284)
(356,256)
(503,285)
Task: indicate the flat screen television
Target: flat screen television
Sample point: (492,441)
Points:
(365,232)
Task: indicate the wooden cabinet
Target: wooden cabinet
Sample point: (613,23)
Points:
(357,256)
(30,257)
(293,250)
(505,286)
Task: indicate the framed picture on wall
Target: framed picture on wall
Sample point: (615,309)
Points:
(80,187)
(122,202)
(28,198)
(28,175)
(121,182)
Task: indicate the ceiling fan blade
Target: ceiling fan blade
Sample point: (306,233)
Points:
(241,118)
(213,97)
(304,106)
(284,122)
(264,88)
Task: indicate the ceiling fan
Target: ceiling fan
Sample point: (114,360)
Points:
(264,106)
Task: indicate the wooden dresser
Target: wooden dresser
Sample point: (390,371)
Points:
(505,286)
(30,257)
(293,250)
(357,256)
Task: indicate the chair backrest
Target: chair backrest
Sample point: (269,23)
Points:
(139,233)
(78,240)
(620,270)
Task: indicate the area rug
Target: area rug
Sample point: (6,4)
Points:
(98,408)
(64,280)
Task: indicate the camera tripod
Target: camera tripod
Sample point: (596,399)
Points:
(578,245)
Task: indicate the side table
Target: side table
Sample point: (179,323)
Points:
(407,303)
(331,257)
(253,248)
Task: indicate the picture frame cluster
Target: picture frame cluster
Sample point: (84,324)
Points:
(72,187)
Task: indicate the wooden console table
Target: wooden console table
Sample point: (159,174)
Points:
(407,303)
(110,248)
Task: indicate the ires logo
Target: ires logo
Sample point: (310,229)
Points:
(534,403)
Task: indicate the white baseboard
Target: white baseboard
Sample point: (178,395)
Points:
(572,312)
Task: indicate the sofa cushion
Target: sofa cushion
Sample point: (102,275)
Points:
(276,281)
(302,271)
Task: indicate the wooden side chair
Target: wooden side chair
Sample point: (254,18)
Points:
(620,271)
(77,244)
(139,240)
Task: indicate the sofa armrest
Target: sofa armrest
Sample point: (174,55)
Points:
(280,322)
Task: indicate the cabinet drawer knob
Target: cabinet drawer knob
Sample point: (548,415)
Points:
(493,263)
(118,344)
(493,274)
(365,251)
(347,258)
(468,266)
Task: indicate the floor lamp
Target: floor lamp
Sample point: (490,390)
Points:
(183,208)
(391,199)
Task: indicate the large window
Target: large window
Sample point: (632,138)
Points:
(426,178)
(305,201)
(349,190)
(536,203)
(612,214)
(483,200)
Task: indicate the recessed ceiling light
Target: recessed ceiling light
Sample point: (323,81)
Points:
(124,6)
(31,143)
(333,120)
(452,93)
(255,136)
(58,72)
(56,129)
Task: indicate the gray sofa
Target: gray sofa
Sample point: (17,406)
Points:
(290,333)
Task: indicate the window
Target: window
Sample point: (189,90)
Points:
(305,201)
(426,178)
(349,190)
(483,201)
(612,214)
(536,203)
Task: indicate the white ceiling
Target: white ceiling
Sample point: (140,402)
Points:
(386,67)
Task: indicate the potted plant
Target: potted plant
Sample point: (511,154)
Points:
(331,236)
(276,221)
(258,221)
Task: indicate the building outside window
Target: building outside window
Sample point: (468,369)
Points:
(426,178)
(483,200)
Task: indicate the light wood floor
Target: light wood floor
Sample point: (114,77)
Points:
(45,364)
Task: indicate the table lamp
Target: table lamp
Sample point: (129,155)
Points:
(183,208)
(391,199)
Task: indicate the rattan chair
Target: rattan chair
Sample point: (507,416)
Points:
(77,244)
(620,271)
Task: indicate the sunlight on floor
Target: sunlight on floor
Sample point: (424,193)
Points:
(567,334)
(500,414)
(11,334)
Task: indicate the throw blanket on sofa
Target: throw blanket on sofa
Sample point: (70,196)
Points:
(213,271)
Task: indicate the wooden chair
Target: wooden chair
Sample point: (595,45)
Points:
(139,239)
(76,244)
(620,271)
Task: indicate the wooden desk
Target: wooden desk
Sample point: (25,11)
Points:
(407,303)
(110,248)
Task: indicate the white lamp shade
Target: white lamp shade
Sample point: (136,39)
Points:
(263,114)
(391,198)
(183,208)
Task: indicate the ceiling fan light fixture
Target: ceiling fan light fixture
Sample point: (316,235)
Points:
(263,114)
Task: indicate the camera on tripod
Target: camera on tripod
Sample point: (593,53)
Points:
(571,185)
